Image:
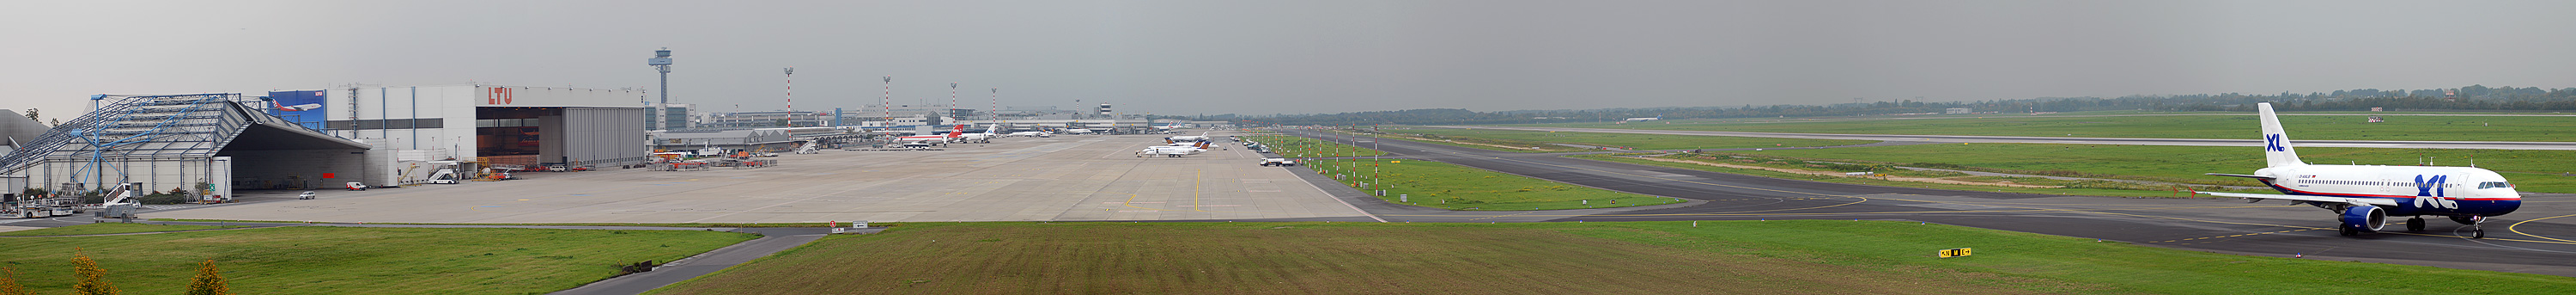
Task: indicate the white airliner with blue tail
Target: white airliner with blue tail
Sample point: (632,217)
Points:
(2366,195)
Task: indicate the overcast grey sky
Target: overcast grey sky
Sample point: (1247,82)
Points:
(1261,57)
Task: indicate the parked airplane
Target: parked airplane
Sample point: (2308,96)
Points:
(985,137)
(1186,138)
(952,136)
(1077,131)
(2365,195)
(1174,150)
(1032,134)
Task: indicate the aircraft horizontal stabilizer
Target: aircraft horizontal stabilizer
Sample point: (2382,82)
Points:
(2318,199)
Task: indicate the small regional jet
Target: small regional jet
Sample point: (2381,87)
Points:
(952,136)
(1175,150)
(986,137)
(1032,134)
(1186,138)
(2365,195)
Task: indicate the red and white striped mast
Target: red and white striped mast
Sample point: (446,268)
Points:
(791,94)
(888,102)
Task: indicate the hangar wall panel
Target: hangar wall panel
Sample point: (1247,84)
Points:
(603,136)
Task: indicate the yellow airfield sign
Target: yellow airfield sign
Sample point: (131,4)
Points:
(1947,253)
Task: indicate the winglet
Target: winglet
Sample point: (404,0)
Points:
(2276,144)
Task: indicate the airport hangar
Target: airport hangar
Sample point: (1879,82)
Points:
(319,138)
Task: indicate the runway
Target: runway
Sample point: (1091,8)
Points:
(2540,238)
(2248,142)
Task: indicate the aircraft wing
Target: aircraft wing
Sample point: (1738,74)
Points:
(2317,199)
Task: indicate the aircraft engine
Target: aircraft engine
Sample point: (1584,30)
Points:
(2365,218)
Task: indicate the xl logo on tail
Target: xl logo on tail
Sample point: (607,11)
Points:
(2272,143)
(2429,193)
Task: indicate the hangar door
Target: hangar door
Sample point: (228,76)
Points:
(599,136)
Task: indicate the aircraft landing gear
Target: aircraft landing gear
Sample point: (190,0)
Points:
(2415,224)
(2347,230)
(2478,233)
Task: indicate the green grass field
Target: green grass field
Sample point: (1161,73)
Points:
(2089,188)
(106,228)
(1301,147)
(1453,187)
(1715,257)
(339,260)
(2221,126)
(789,224)
(1546,140)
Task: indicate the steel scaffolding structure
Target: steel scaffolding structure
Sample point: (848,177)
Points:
(134,139)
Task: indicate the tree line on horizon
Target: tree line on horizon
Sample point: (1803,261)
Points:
(2470,98)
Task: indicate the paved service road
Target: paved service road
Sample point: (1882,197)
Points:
(1064,178)
(2534,240)
(2248,142)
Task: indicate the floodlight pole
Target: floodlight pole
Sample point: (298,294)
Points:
(952,99)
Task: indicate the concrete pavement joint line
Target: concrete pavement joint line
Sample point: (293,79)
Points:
(1197,184)
(1131,199)
(782,203)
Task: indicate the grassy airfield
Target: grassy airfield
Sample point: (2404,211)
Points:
(2219,126)
(1540,142)
(1715,257)
(1453,187)
(339,260)
(1447,186)
(1300,147)
(107,228)
(2531,170)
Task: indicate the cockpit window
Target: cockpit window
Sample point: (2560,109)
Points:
(2494,184)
